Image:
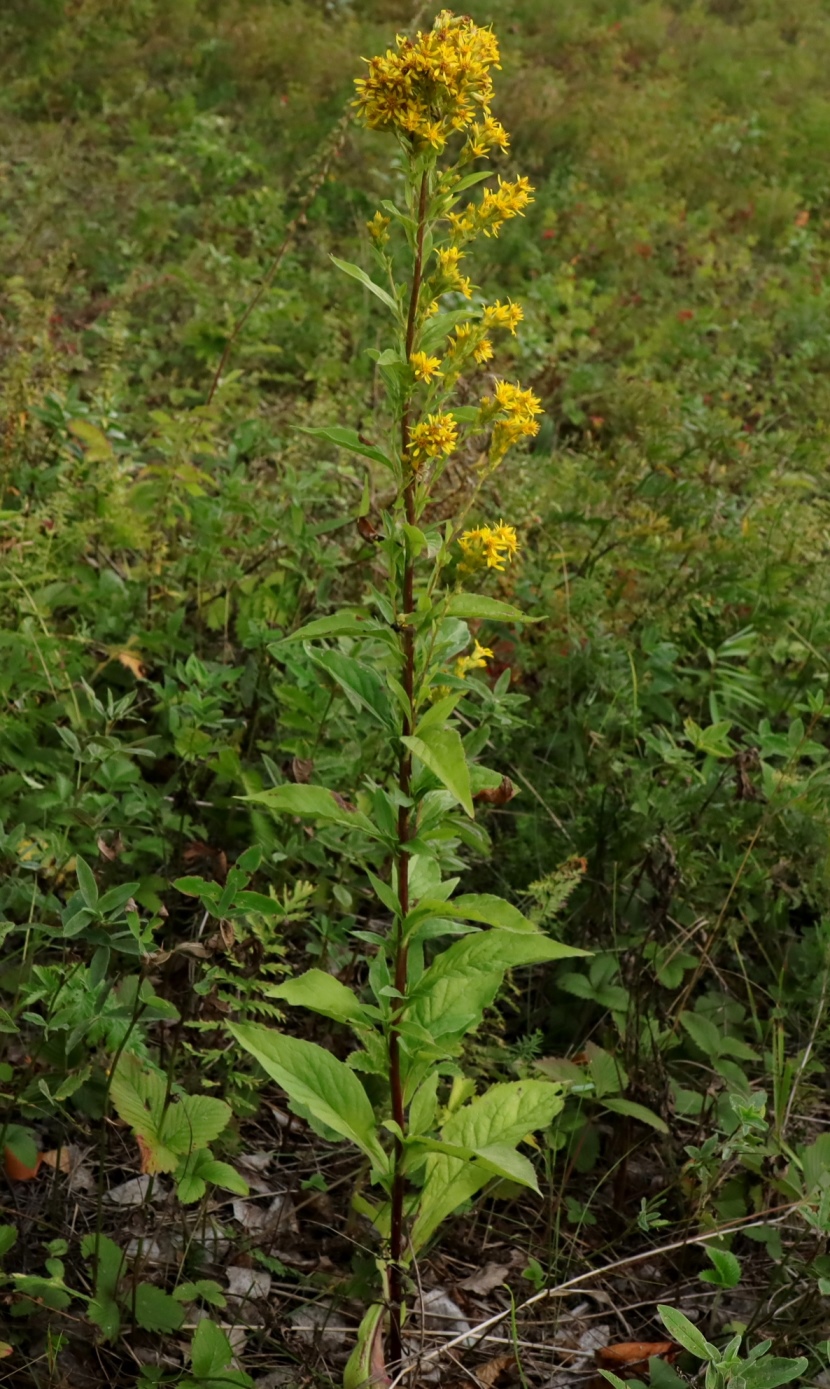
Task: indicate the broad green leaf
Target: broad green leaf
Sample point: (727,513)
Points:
(21,1141)
(498,1159)
(195,1120)
(322,993)
(205,1288)
(8,1238)
(156,1310)
(476,605)
(223,1175)
(86,883)
(358,274)
(342,624)
(314,801)
(493,911)
(328,1088)
(361,684)
(635,1111)
(686,1334)
(768,1374)
(703,1033)
(442,752)
(105,1313)
(501,1117)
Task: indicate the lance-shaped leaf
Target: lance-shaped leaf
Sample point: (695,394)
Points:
(349,439)
(322,993)
(476,605)
(357,274)
(315,801)
(315,1079)
(342,624)
(442,752)
(366,1367)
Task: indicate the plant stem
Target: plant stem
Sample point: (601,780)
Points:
(397,1233)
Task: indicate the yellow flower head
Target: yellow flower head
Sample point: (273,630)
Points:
(501,315)
(476,660)
(378,229)
(434,84)
(488,546)
(425,367)
(434,437)
(484,351)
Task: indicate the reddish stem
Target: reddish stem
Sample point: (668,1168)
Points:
(397,1233)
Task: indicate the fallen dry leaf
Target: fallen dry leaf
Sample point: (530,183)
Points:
(634,1355)
(497,795)
(133,663)
(487,1278)
(58,1159)
(301,769)
(488,1374)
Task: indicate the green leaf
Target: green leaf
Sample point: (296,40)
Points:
(322,993)
(768,1374)
(105,1313)
(8,1238)
(493,911)
(686,1334)
(615,1380)
(86,883)
(367,1356)
(21,1142)
(442,753)
(476,605)
(139,1092)
(205,1288)
(309,1074)
(193,1122)
(223,1175)
(349,439)
(727,1270)
(341,624)
(361,684)
(357,274)
(703,1033)
(501,1117)
(635,1111)
(156,1310)
(314,801)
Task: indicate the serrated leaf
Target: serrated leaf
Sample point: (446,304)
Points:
(322,993)
(727,1270)
(156,1310)
(361,684)
(309,1074)
(104,1313)
(357,274)
(442,753)
(315,801)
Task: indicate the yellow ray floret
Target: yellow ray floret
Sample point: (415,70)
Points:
(424,366)
(476,660)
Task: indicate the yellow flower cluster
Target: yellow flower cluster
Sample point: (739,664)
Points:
(497,206)
(521,407)
(501,315)
(424,366)
(477,660)
(449,275)
(433,85)
(488,546)
(434,437)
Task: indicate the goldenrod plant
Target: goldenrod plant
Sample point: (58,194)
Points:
(408,657)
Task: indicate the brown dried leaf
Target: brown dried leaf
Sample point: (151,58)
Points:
(486,1279)
(497,795)
(488,1374)
(634,1355)
(112,850)
(58,1159)
(301,769)
(133,662)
